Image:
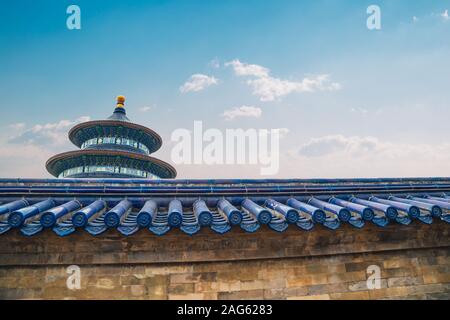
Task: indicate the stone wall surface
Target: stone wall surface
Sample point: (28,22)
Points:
(413,261)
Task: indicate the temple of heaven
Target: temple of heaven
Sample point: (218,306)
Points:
(111,148)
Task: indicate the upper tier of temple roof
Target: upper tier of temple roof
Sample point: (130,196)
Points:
(117,125)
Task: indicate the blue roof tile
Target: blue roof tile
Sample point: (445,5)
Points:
(94,206)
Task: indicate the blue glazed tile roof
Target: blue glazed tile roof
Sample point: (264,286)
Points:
(94,205)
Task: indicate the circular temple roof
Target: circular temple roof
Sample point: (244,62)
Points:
(119,126)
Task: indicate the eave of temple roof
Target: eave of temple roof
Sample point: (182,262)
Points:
(99,128)
(71,159)
(68,207)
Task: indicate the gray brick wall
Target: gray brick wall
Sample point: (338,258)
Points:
(413,260)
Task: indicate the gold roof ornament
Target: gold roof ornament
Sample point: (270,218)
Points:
(120,101)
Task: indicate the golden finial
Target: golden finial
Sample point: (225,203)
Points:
(120,101)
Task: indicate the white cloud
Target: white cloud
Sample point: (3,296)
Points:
(338,143)
(17,126)
(445,15)
(360,156)
(23,161)
(243,111)
(51,134)
(26,149)
(245,69)
(269,88)
(284,132)
(360,110)
(145,109)
(360,147)
(198,82)
(214,63)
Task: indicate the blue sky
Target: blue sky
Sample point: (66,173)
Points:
(387,116)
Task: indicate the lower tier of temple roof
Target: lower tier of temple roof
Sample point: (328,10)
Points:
(108,163)
(33,207)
